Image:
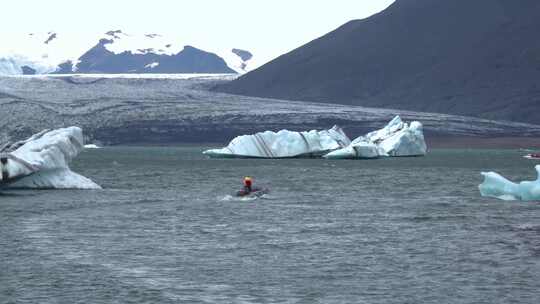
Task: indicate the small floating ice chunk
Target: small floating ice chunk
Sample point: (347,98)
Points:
(497,186)
(283,144)
(42,160)
(92,146)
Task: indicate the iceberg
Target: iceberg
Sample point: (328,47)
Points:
(397,139)
(497,186)
(283,144)
(358,150)
(41,161)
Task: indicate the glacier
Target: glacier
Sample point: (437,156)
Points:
(12,65)
(283,144)
(396,139)
(497,186)
(42,161)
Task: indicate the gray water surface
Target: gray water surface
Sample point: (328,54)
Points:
(166,230)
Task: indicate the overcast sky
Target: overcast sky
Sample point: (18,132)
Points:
(267,28)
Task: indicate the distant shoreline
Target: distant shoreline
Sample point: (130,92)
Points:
(433,142)
(471,142)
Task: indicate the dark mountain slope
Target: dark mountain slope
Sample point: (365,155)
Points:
(479,58)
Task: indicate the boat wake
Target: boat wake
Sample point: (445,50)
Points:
(248,198)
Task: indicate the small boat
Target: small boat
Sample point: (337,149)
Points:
(257,192)
(532,156)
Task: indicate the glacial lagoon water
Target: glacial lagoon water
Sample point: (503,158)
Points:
(166,230)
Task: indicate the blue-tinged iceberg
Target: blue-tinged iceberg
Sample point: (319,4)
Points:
(41,161)
(396,139)
(497,186)
(283,144)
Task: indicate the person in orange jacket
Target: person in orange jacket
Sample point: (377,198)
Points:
(248,182)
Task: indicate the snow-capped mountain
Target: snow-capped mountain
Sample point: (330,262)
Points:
(115,52)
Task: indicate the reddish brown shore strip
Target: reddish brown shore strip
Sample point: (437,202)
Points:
(483,142)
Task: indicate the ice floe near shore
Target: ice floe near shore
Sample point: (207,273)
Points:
(497,186)
(283,144)
(396,139)
(42,161)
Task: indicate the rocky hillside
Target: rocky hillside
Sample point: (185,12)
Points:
(478,58)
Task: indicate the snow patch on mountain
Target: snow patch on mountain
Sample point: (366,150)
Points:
(120,42)
(151,65)
(239,60)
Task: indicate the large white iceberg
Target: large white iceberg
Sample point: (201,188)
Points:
(283,144)
(42,161)
(395,139)
(497,186)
